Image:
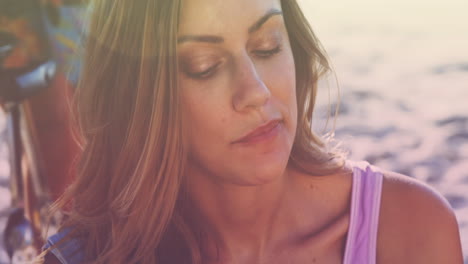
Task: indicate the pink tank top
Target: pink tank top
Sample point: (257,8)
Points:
(361,244)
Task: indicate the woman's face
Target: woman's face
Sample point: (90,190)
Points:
(236,72)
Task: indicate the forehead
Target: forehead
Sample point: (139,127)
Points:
(222,16)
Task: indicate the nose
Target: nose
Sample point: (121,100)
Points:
(250,92)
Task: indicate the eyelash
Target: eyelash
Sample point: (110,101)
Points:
(262,54)
(204,74)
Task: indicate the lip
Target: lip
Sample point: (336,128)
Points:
(260,132)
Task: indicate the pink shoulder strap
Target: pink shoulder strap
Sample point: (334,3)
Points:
(361,244)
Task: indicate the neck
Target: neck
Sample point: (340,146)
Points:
(238,220)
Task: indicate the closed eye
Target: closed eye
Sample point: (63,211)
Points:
(267,53)
(204,74)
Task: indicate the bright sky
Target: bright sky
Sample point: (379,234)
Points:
(426,15)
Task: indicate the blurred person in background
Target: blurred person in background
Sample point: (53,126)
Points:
(22,20)
(37,111)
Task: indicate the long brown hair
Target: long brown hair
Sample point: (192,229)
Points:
(126,199)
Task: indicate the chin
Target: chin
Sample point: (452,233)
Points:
(260,173)
(264,169)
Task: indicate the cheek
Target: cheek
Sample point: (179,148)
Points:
(282,80)
(205,119)
(288,74)
(281,73)
(287,94)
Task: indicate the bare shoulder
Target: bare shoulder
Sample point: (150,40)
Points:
(417,225)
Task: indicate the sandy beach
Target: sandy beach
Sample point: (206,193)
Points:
(402,70)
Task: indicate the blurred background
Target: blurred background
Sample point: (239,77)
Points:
(402,70)
(38,68)
(401,67)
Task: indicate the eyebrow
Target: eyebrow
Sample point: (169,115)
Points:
(217,39)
